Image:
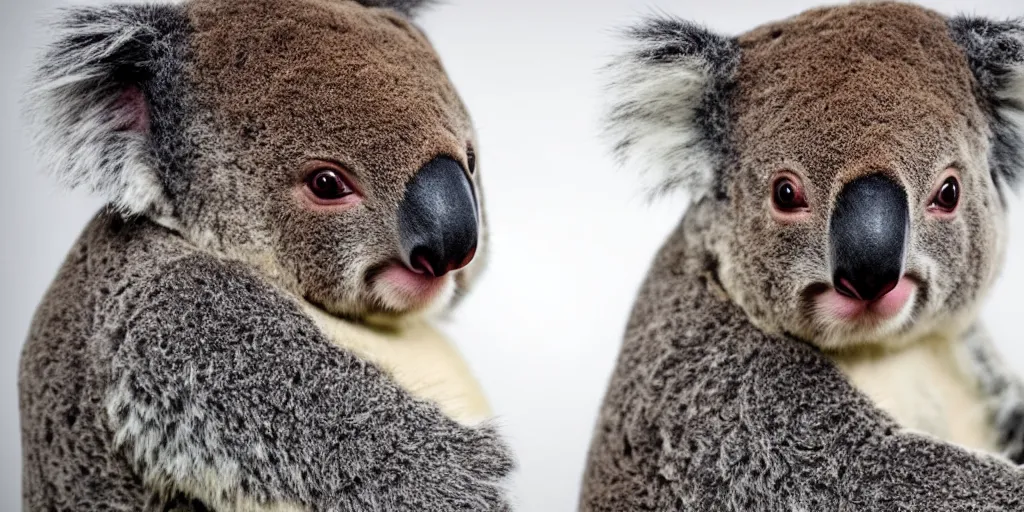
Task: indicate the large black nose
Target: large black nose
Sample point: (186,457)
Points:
(437,219)
(868,233)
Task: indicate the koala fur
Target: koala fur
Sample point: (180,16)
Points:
(214,340)
(734,390)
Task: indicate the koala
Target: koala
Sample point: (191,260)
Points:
(294,196)
(808,337)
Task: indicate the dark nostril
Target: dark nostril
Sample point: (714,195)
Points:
(420,262)
(886,288)
(864,290)
(844,287)
(427,262)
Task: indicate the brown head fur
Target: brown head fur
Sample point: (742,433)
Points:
(294,80)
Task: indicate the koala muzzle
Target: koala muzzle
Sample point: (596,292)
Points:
(868,234)
(438,223)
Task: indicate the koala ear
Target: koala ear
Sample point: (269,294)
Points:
(88,104)
(667,115)
(407,7)
(995,53)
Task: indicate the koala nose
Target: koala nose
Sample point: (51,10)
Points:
(868,233)
(437,219)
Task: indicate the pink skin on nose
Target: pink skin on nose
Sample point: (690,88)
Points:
(847,308)
(412,286)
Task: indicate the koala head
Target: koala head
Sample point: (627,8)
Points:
(852,163)
(319,140)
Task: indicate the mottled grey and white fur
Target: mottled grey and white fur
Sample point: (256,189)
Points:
(733,390)
(172,365)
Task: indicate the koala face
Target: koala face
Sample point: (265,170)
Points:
(319,140)
(857,166)
(341,149)
(861,205)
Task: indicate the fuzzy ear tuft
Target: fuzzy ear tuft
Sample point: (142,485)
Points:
(87,106)
(667,115)
(995,53)
(409,8)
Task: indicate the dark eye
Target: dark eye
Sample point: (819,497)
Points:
(471,159)
(328,184)
(948,195)
(787,195)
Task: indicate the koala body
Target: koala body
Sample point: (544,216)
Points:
(808,338)
(293,197)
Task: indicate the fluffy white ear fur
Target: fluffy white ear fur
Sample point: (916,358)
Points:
(995,52)
(1012,41)
(1010,109)
(661,93)
(90,128)
(1014,119)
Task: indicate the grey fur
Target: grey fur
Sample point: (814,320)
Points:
(187,374)
(995,52)
(1004,390)
(675,79)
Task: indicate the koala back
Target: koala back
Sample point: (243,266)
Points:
(65,372)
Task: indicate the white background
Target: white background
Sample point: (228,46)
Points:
(571,237)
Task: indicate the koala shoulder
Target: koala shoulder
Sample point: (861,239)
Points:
(117,266)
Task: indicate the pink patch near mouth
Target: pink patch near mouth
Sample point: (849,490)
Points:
(847,308)
(409,285)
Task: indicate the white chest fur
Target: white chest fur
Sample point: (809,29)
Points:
(418,358)
(926,387)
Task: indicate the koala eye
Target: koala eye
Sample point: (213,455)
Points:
(328,184)
(787,195)
(948,195)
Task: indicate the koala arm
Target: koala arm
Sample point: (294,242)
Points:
(220,388)
(1002,388)
(707,412)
